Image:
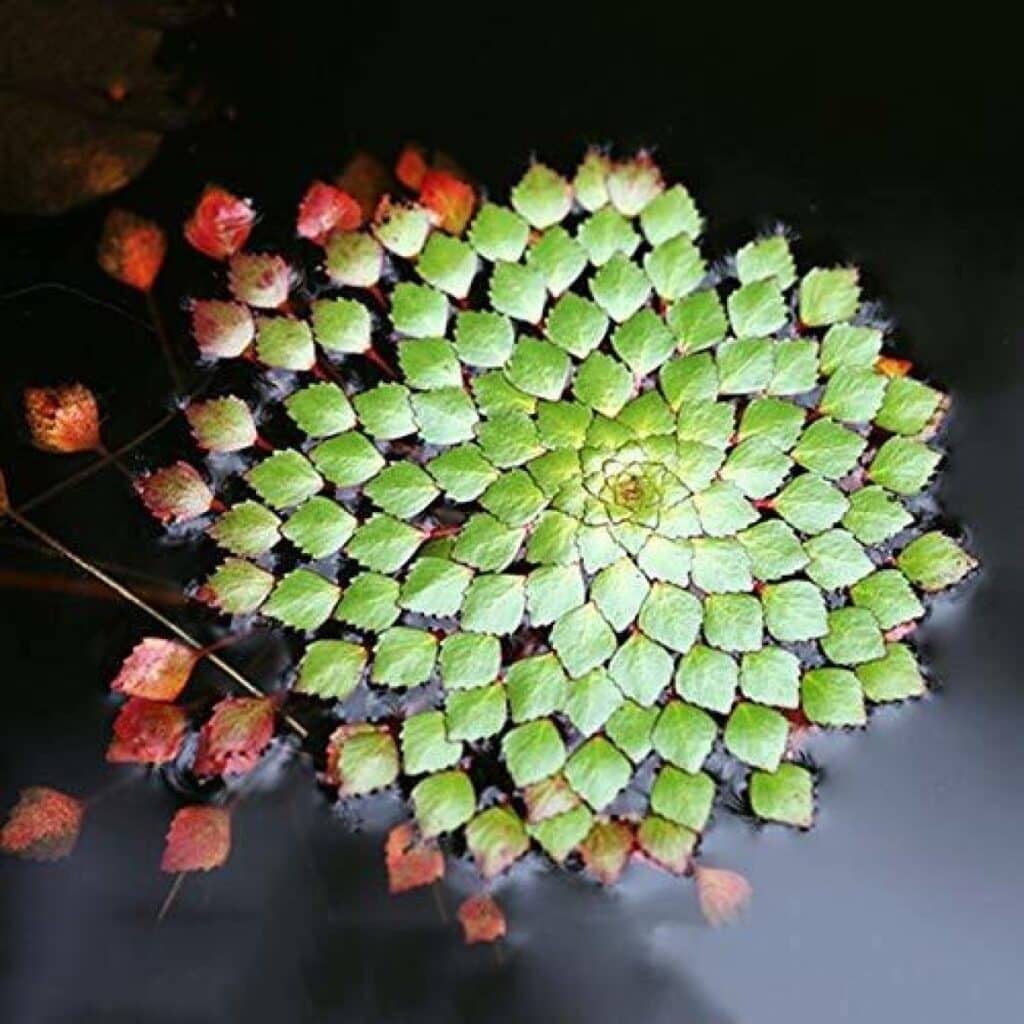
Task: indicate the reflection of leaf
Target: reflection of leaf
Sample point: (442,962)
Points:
(82,105)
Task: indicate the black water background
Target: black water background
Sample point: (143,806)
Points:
(904,902)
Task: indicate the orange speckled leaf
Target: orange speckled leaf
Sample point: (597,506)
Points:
(132,249)
(43,824)
(156,669)
(236,735)
(325,208)
(63,419)
(449,199)
(722,894)
(411,167)
(220,223)
(147,732)
(411,860)
(199,839)
(175,493)
(482,919)
(893,367)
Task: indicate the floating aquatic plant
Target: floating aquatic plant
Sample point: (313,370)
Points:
(581,532)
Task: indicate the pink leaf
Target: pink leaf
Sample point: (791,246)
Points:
(147,732)
(220,224)
(260,279)
(175,493)
(326,208)
(199,839)
(722,894)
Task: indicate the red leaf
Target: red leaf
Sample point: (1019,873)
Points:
(156,669)
(411,860)
(236,735)
(132,249)
(222,330)
(220,223)
(147,732)
(482,919)
(63,419)
(175,493)
(43,824)
(411,167)
(259,278)
(449,199)
(722,894)
(365,179)
(893,367)
(199,839)
(325,208)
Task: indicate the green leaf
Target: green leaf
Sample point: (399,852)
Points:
(429,363)
(774,420)
(476,714)
(829,449)
(853,394)
(630,728)
(757,735)
(341,325)
(331,669)
(698,321)
(603,383)
(369,602)
(284,344)
(402,490)
(320,527)
(469,659)
(771,676)
(425,745)
(934,561)
(671,616)
(542,196)
(383,544)
(499,234)
(443,802)
(643,342)
(320,410)
(811,504)
(764,259)
(671,213)
(576,324)
(785,795)
(435,586)
(237,587)
(903,466)
(837,560)
(583,640)
(538,368)
(794,611)
(683,798)
(733,622)
(364,758)
(894,676)
(284,479)
(684,735)
(773,549)
(606,233)
(756,309)
(448,265)
(689,379)
(641,669)
(418,310)
(745,364)
(347,460)
(828,296)
(402,228)
(462,473)
(559,835)
(483,338)
(354,259)
(633,184)
(832,696)
(517,291)
(533,751)
(246,529)
(846,345)
(756,467)
(514,498)
(303,600)
(445,415)
(509,439)
(666,843)
(618,591)
(853,637)
(888,596)
(796,367)
(563,424)
(484,543)
(620,288)
(494,604)
(598,772)
(707,678)
(385,411)
(591,701)
(675,267)
(558,257)
(403,656)
(537,686)
(552,591)
(589,183)
(497,839)
(720,565)
(874,516)
(908,406)
(723,510)
(710,423)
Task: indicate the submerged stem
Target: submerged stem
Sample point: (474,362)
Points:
(165,341)
(176,885)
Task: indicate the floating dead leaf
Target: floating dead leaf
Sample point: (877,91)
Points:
(234,738)
(411,860)
(156,669)
(132,249)
(199,839)
(722,894)
(482,919)
(43,825)
(147,732)
(64,419)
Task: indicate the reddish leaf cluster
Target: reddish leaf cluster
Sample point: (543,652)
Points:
(220,223)
(411,860)
(156,669)
(132,249)
(482,919)
(147,732)
(43,825)
(175,493)
(199,839)
(326,208)
(234,738)
(442,190)
(63,419)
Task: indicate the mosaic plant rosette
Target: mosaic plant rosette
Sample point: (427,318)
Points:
(581,530)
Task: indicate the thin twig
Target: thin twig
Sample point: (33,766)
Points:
(169,898)
(439,900)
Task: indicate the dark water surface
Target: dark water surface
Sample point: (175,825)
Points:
(902,904)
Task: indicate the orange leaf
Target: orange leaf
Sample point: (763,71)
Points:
(411,167)
(411,860)
(220,223)
(43,825)
(325,208)
(63,419)
(175,493)
(892,367)
(722,894)
(199,839)
(236,735)
(147,732)
(132,249)
(482,919)
(450,200)
(156,669)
